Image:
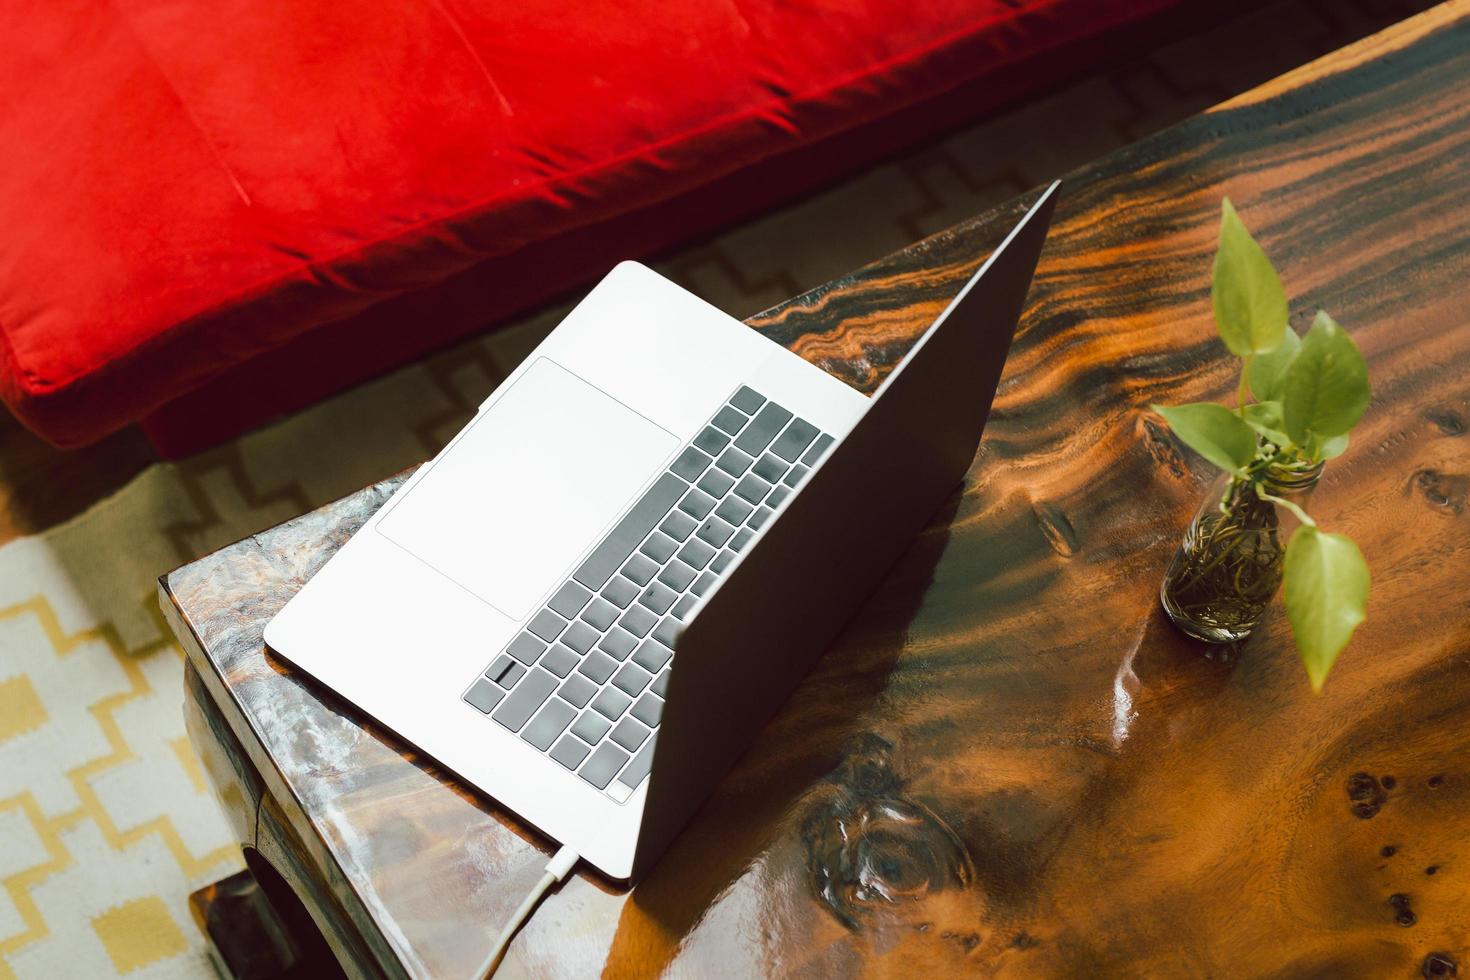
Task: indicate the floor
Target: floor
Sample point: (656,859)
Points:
(106,821)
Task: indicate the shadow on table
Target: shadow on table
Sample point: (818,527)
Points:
(799,747)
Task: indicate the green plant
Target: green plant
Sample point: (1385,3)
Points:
(1308,393)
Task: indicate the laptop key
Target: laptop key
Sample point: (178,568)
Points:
(484,696)
(777,495)
(629,734)
(611,703)
(638,621)
(759,518)
(667,631)
(769,468)
(547,625)
(696,554)
(690,464)
(631,680)
(659,547)
(549,724)
(748,400)
(660,685)
(678,525)
(716,531)
(722,561)
(684,605)
(652,655)
(697,504)
(648,709)
(525,648)
(741,539)
(640,569)
(733,510)
(604,765)
(559,660)
(728,420)
(638,768)
(677,576)
(591,727)
(598,666)
(762,429)
(716,483)
(529,694)
(703,583)
(620,591)
(600,614)
(633,528)
(505,671)
(570,599)
(658,597)
(752,489)
(577,690)
(570,752)
(711,441)
(794,477)
(618,643)
(793,439)
(734,462)
(580,637)
(818,447)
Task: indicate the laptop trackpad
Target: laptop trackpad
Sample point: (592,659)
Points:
(528,487)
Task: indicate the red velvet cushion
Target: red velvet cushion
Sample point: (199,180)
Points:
(186,185)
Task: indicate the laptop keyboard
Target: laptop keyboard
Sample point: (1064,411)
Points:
(584,680)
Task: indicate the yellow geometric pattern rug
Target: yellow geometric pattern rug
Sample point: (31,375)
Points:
(106,823)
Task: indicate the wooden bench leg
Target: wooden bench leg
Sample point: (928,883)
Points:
(250,939)
(246,939)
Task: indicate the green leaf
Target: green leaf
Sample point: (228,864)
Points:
(1326,388)
(1332,448)
(1213,431)
(1267,372)
(1326,596)
(1250,304)
(1265,418)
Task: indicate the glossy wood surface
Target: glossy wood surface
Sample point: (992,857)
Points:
(1010,763)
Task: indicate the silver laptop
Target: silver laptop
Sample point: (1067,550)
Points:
(589,603)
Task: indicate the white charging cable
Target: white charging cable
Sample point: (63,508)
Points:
(557,870)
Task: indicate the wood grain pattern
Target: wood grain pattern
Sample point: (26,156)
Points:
(1010,763)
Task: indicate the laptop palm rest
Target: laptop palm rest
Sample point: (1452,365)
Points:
(515,499)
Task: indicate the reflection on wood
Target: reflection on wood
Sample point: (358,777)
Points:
(870,848)
(1009,762)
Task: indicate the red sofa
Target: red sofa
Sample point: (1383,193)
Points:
(212,213)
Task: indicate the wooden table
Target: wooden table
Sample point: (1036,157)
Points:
(1009,762)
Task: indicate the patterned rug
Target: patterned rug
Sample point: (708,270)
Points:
(106,821)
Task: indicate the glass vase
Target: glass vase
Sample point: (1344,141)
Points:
(1229,565)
